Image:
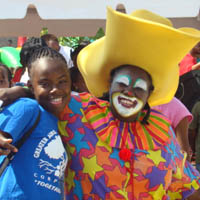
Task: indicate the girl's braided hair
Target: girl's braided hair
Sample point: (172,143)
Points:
(45,52)
(29,47)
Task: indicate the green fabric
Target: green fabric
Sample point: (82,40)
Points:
(10,57)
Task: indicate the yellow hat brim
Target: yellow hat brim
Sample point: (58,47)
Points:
(143,39)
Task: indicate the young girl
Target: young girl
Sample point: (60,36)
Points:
(5,76)
(36,172)
(123,149)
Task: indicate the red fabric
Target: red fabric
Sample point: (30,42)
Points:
(17,75)
(21,41)
(186,64)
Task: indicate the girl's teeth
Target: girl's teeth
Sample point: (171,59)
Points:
(56,101)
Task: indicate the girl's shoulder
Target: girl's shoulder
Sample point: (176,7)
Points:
(22,105)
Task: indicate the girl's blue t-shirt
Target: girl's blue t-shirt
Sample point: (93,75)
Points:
(37,170)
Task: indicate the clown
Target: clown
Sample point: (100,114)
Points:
(123,149)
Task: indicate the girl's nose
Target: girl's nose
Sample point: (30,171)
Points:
(54,89)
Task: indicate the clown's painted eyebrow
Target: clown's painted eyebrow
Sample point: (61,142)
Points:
(140,83)
(125,79)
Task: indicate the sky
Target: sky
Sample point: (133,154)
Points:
(96,9)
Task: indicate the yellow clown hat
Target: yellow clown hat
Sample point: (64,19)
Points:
(142,39)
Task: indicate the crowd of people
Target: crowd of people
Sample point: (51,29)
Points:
(110,126)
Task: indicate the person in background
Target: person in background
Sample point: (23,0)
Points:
(180,118)
(37,170)
(194,131)
(5,76)
(191,61)
(76,49)
(10,43)
(21,76)
(52,42)
(78,83)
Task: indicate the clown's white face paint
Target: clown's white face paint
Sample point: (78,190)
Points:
(129,92)
(140,83)
(124,79)
(126,106)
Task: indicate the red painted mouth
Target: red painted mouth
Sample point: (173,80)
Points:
(127,103)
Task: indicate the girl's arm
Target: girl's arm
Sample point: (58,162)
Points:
(196,66)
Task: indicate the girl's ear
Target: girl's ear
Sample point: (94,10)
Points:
(30,86)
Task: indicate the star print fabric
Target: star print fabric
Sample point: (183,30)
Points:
(92,136)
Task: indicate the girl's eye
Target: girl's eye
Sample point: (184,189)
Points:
(44,84)
(123,80)
(140,83)
(63,81)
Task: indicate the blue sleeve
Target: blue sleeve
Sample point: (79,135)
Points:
(19,117)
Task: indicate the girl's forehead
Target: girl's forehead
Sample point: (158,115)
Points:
(44,60)
(48,63)
(48,68)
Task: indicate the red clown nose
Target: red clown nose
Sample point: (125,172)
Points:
(130,93)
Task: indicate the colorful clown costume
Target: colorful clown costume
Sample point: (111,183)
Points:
(111,159)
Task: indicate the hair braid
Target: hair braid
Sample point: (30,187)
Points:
(29,47)
(146,117)
(45,52)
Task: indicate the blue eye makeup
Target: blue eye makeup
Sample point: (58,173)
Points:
(124,79)
(140,83)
